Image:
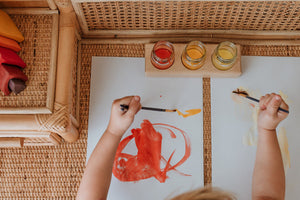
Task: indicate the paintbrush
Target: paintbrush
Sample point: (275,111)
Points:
(243,93)
(125,107)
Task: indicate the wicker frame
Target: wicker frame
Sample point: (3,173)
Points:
(17,104)
(265,21)
(49,129)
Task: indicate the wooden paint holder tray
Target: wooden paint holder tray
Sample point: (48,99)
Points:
(179,70)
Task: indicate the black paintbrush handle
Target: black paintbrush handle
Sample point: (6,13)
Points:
(253,99)
(154,109)
(125,107)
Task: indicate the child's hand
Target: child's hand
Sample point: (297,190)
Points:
(269,116)
(121,120)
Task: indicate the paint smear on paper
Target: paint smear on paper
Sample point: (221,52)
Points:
(188,112)
(251,137)
(147,162)
(284,147)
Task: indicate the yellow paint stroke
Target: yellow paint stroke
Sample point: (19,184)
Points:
(189,112)
(285,97)
(284,148)
(250,138)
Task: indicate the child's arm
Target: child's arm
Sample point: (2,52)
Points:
(268,177)
(97,175)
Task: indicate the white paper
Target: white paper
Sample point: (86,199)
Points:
(117,77)
(232,162)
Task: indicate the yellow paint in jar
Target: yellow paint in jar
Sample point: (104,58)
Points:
(225,54)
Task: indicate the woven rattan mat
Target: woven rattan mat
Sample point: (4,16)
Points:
(191,15)
(55,172)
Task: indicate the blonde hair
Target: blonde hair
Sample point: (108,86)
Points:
(205,193)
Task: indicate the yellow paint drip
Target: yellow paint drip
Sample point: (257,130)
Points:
(225,54)
(284,147)
(285,97)
(189,112)
(194,54)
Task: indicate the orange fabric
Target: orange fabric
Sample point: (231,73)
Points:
(8,28)
(10,44)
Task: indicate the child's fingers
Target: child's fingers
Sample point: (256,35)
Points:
(261,102)
(283,105)
(274,104)
(268,99)
(134,106)
(124,100)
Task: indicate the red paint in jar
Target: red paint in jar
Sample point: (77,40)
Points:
(163,53)
(162,56)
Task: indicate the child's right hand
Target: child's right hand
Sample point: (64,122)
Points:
(269,117)
(120,120)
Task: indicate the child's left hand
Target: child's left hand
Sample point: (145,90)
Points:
(120,120)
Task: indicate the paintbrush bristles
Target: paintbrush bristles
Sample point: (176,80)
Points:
(240,92)
(167,110)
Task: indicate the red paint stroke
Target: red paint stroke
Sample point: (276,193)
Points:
(146,163)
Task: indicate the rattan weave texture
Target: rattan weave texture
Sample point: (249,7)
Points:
(187,15)
(36,52)
(256,50)
(55,172)
(207,162)
(74,108)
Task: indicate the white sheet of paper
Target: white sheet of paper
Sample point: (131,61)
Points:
(232,162)
(113,78)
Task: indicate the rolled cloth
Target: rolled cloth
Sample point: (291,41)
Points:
(16,85)
(9,43)
(7,73)
(10,57)
(8,28)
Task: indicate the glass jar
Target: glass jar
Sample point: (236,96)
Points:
(194,54)
(224,56)
(162,55)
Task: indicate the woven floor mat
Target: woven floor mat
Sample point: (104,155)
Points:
(55,172)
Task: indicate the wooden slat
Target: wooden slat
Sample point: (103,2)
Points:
(24,4)
(207,161)
(11,142)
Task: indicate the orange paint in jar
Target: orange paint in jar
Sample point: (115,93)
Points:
(194,54)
